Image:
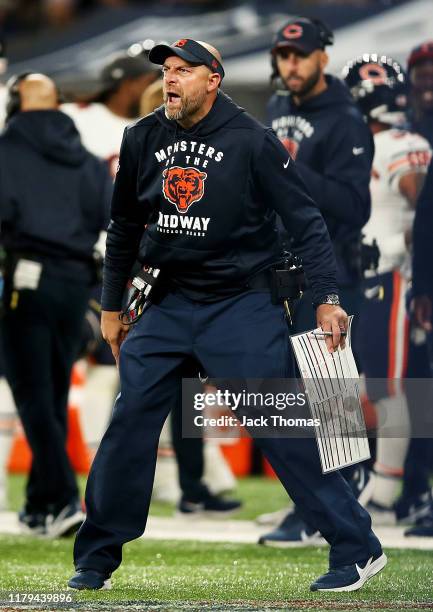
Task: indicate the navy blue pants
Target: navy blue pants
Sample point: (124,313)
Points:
(40,343)
(243,336)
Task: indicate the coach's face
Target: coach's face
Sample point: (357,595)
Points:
(299,72)
(186,88)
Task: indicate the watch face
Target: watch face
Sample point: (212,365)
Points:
(332,299)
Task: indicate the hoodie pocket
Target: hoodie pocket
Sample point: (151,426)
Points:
(217,263)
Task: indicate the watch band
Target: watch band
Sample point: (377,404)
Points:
(331,298)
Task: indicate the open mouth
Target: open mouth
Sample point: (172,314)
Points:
(172,97)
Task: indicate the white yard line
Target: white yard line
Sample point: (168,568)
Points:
(238,532)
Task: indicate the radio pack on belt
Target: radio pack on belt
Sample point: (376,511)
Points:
(287,280)
(287,283)
(142,284)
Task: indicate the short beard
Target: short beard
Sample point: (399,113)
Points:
(188,107)
(309,84)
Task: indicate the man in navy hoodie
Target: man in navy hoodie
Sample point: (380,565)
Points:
(204,180)
(317,120)
(54,202)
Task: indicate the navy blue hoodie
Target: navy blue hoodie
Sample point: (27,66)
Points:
(54,194)
(207,197)
(334,150)
(422,277)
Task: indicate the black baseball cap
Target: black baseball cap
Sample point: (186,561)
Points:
(304,35)
(124,66)
(189,50)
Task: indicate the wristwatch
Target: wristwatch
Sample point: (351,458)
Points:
(331,298)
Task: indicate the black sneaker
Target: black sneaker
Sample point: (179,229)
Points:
(423,526)
(409,509)
(90,580)
(65,522)
(211,507)
(350,577)
(32,522)
(292,530)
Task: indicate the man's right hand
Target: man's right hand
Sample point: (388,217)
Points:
(113,331)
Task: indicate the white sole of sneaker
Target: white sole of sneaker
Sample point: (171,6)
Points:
(364,574)
(307,541)
(106,587)
(272,518)
(205,514)
(56,530)
(382,518)
(38,531)
(414,516)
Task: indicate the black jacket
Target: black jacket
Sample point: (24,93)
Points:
(422,281)
(334,150)
(207,197)
(54,194)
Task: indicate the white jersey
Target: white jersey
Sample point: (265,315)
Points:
(101,130)
(101,133)
(397,153)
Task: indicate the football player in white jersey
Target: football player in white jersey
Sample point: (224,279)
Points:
(101,122)
(399,169)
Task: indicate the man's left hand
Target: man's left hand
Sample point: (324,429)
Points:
(332,319)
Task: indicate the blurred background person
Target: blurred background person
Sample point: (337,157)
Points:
(54,202)
(101,121)
(378,84)
(7,406)
(420,71)
(419,461)
(317,120)
(151,98)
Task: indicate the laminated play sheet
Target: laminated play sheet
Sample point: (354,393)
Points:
(331,383)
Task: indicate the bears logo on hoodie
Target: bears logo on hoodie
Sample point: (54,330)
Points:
(183,186)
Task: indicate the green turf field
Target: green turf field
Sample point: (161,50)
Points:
(175,575)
